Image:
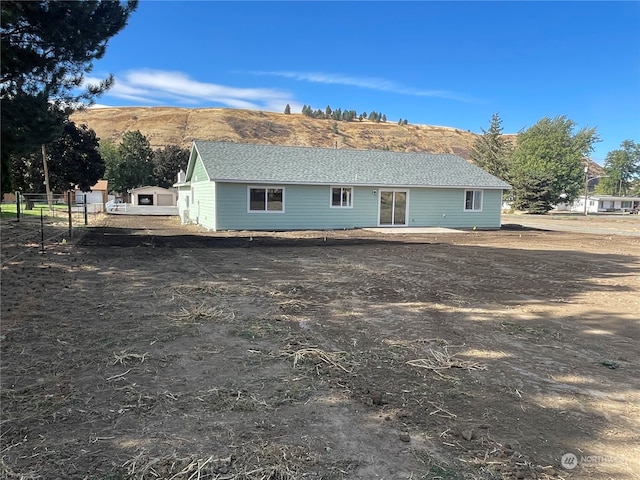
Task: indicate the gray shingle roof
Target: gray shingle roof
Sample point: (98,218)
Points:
(251,163)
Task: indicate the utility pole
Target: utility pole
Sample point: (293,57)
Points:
(586,187)
(46,178)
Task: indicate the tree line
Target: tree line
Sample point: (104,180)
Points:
(338,114)
(549,163)
(47,49)
(77,159)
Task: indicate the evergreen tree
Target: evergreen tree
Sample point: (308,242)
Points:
(491,151)
(47,48)
(349,115)
(535,192)
(287,109)
(133,165)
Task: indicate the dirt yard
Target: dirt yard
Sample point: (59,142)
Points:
(143,350)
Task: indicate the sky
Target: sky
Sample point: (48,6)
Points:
(432,63)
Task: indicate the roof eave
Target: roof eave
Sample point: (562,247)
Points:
(358,184)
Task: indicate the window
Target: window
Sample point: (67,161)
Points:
(473,200)
(626,204)
(341,197)
(265,199)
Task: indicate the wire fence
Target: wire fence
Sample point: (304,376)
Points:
(32,223)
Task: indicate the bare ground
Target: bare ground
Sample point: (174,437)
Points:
(143,349)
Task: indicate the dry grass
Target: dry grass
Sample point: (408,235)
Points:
(124,357)
(192,316)
(204,289)
(179,126)
(442,360)
(248,462)
(318,355)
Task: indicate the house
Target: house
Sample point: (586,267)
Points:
(235,186)
(603,203)
(98,194)
(150,196)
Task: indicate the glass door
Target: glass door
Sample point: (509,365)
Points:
(393,207)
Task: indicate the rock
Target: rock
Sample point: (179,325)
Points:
(468,435)
(405,437)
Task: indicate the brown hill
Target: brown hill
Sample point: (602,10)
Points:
(180,126)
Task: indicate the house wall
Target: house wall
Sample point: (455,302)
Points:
(308,207)
(184,201)
(602,205)
(201,195)
(444,207)
(96,196)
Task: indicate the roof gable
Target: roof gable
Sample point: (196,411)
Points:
(252,163)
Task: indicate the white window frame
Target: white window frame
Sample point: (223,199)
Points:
(342,189)
(266,189)
(474,192)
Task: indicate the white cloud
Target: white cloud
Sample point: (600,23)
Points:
(372,83)
(159,86)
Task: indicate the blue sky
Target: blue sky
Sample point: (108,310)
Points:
(434,63)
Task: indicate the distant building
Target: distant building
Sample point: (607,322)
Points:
(602,204)
(98,194)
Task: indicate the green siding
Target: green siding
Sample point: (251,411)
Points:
(444,207)
(199,172)
(202,195)
(202,206)
(308,207)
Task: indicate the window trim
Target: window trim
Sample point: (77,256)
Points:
(266,189)
(331,205)
(473,200)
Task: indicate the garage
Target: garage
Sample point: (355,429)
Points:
(166,200)
(153,196)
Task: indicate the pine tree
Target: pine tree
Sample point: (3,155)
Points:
(491,151)
(287,109)
(47,48)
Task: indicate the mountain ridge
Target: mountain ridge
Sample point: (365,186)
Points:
(164,126)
